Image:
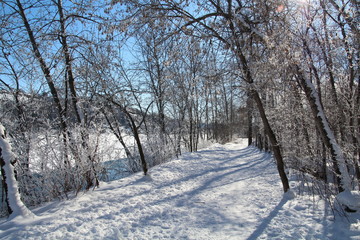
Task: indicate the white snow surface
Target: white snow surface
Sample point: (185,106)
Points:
(223,192)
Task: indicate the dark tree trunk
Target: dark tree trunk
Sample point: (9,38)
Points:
(46,71)
(135,131)
(4,185)
(274,143)
(320,120)
(249,106)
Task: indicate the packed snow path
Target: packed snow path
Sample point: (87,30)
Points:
(223,192)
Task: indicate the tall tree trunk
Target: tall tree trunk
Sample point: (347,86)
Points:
(68,60)
(90,174)
(273,141)
(249,107)
(46,71)
(135,131)
(275,145)
(5,191)
(326,133)
(191,126)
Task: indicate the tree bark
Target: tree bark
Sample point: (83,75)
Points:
(4,184)
(7,158)
(46,71)
(135,131)
(327,134)
(249,106)
(68,60)
(275,145)
(273,140)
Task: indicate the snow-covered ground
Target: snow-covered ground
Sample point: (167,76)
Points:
(223,192)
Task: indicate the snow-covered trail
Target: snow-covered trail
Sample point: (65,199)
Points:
(224,192)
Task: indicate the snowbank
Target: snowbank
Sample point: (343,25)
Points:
(350,199)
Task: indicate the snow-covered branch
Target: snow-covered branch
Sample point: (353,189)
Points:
(16,206)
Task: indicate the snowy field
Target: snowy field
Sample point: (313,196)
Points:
(223,192)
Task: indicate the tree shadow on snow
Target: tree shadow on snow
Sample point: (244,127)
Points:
(224,175)
(211,182)
(265,223)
